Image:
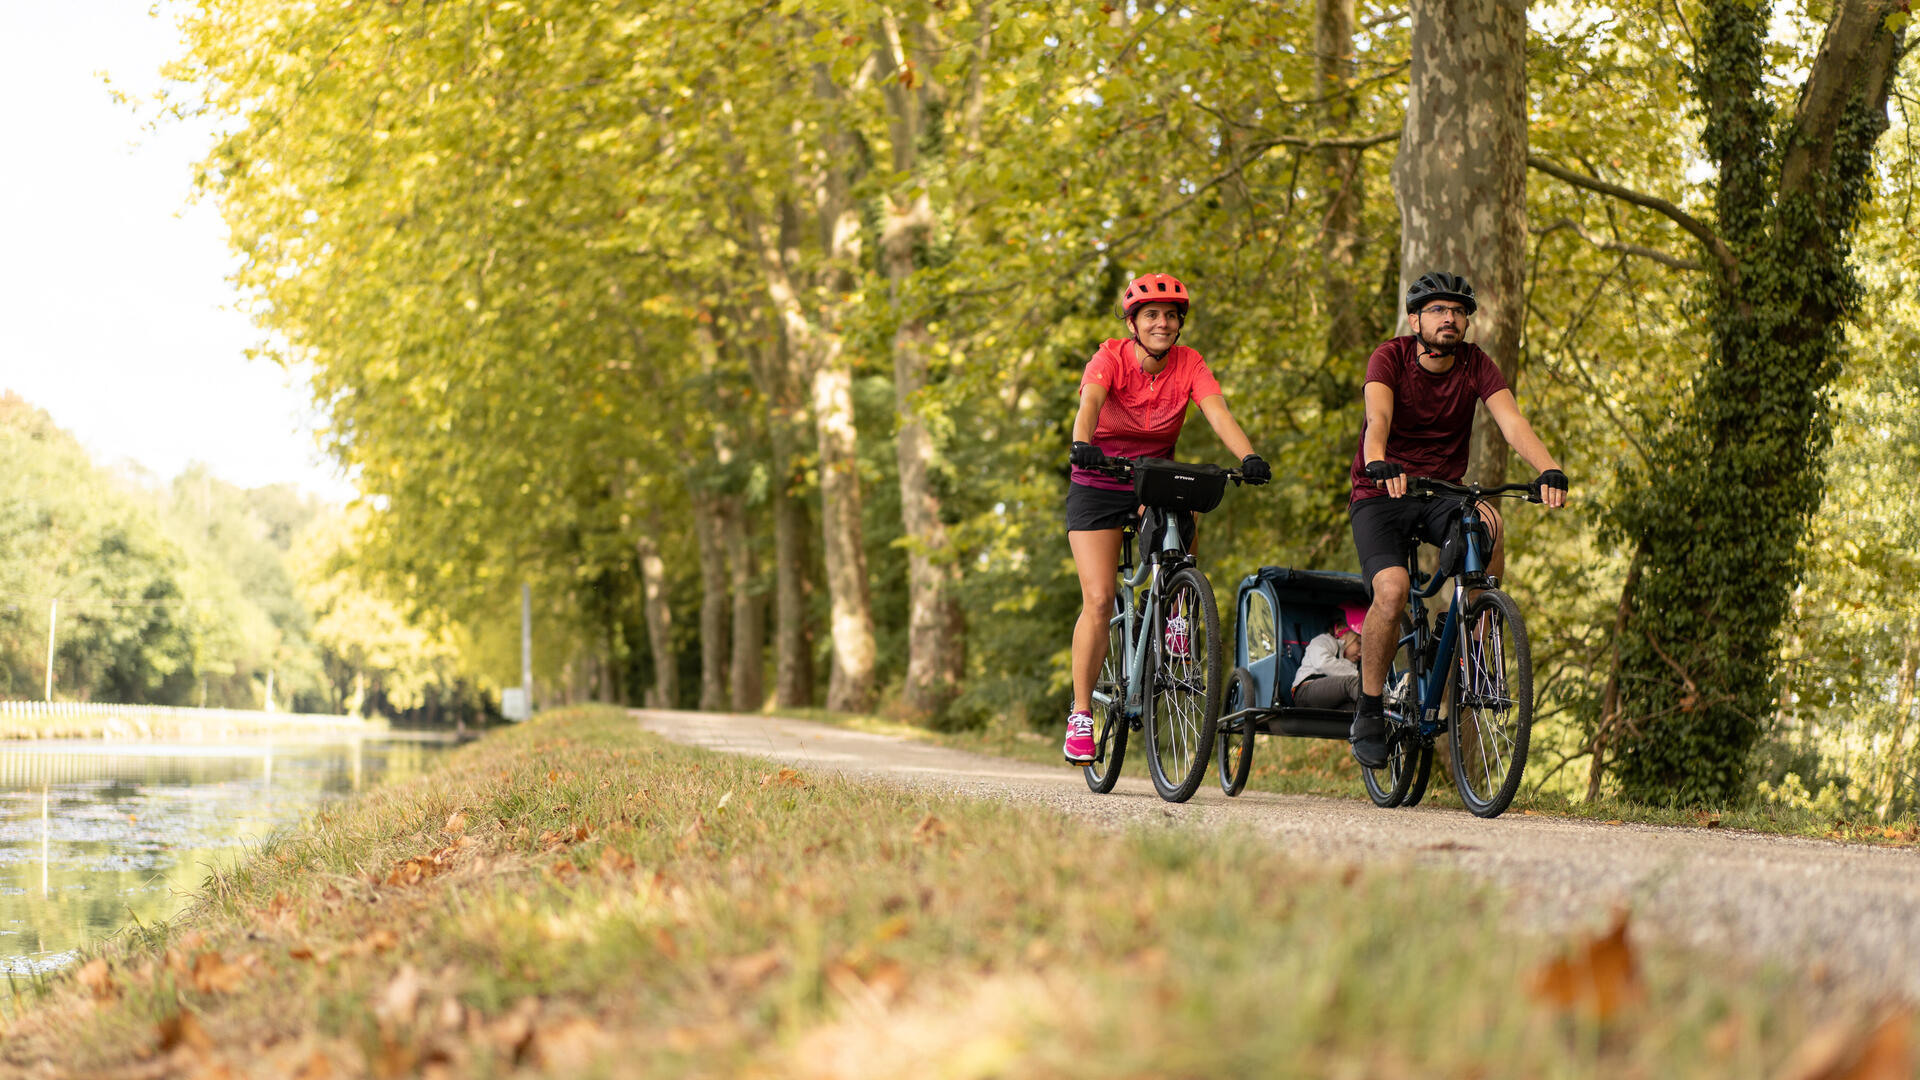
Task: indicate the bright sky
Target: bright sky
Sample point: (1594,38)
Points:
(115,313)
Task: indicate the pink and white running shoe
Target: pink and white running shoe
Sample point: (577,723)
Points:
(1178,645)
(1079,746)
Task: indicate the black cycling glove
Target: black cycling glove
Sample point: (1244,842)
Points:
(1255,470)
(1382,470)
(1552,478)
(1086,455)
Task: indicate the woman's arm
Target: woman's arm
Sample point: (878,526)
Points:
(1092,396)
(1214,408)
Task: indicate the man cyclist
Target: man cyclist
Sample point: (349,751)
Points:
(1420,393)
(1133,403)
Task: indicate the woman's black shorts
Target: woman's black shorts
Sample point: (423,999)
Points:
(1092,508)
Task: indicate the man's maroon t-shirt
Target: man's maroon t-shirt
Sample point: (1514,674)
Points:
(1432,414)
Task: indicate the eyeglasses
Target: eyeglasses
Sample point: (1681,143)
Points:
(1454,310)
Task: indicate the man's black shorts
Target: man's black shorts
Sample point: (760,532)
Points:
(1382,526)
(1092,508)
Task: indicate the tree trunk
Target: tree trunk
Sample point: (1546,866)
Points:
(935,657)
(773,369)
(1461,176)
(818,350)
(850,685)
(1723,531)
(749,621)
(1342,181)
(1894,775)
(709,512)
(665,691)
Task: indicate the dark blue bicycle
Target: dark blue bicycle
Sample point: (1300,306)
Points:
(1471,677)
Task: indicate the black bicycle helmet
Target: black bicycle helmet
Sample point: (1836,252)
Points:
(1440,285)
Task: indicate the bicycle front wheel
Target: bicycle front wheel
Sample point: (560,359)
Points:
(1492,704)
(1187,688)
(1110,746)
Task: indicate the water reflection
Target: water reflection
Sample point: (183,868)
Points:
(95,834)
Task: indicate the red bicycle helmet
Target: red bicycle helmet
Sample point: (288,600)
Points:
(1151,289)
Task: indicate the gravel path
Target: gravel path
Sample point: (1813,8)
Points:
(1822,908)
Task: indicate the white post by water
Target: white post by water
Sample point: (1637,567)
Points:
(526,643)
(53,617)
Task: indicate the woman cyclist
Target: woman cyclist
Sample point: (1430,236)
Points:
(1133,402)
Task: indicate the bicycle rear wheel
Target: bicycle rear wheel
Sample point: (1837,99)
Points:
(1110,735)
(1184,713)
(1389,785)
(1492,704)
(1235,740)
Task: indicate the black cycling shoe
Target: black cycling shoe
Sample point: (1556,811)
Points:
(1369,737)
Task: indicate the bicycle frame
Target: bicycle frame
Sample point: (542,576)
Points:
(1431,688)
(1135,614)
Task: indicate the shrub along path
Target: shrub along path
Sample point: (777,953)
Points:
(1825,910)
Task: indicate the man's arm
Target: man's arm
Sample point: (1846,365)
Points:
(1379,401)
(1519,435)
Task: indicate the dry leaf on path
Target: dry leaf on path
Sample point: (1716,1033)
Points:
(1601,977)
(511,1033)
(317,1067)
(182,1029)
(570,1045)
(747,972)
(401,997)
(97,978)
(212,974)
(1840,1051)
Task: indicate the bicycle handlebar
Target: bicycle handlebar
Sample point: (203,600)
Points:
(1121,468)
(1429,485)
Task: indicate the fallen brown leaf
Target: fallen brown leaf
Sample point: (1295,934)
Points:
(182,1030)
(615,863)
(783,778)
(563,872)
(1841,1051)
(376,942)
(303,952)
(212,974)
(1600,977)
(691,835)
(511,1033)
(97,978)
(569,1045)
(317,1067)
(930,829)
(748,972)
(456,822)
(401,997)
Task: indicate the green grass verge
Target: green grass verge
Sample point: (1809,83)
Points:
(573,897)
(1325,768)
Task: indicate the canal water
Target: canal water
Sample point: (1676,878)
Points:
(94,835)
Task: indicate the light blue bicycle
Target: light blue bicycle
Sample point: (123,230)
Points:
(1163,674)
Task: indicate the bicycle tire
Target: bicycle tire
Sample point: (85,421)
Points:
(1190,686)
(1389,785)
(1422,774)
(1110,742)
(1236,746)
(1492,698)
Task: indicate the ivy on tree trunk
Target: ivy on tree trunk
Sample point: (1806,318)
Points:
(1718,516)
